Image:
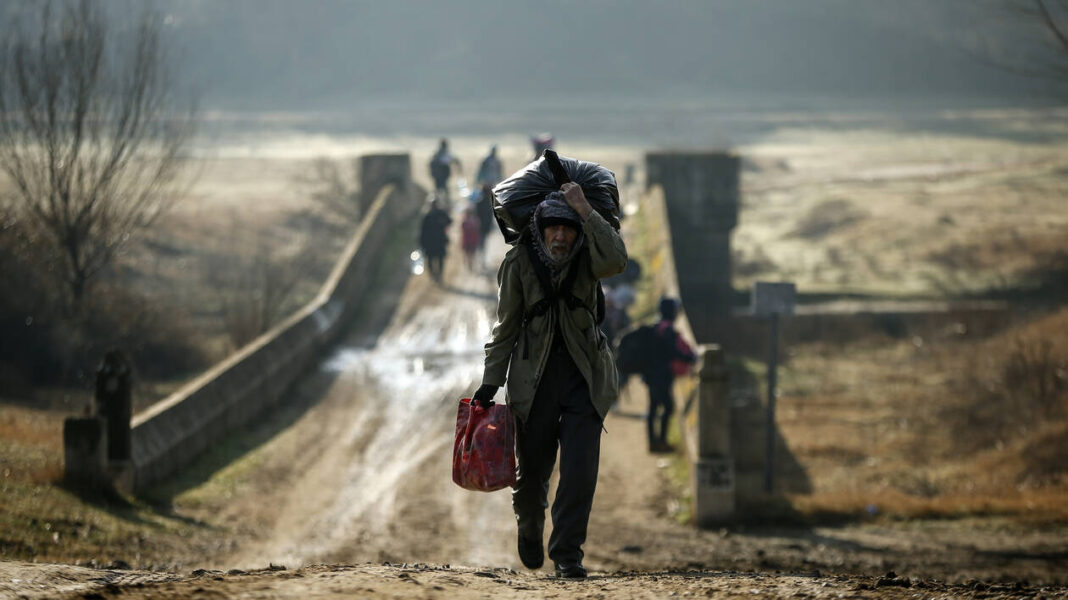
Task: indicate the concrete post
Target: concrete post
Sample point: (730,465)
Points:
(85,441)
(701,194)
(379,170)
(713,479)
(114,402)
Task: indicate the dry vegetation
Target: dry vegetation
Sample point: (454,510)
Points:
(943,422)
(907,214)
(938,425)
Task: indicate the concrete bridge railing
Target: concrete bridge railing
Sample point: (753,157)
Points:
(702,405)
(176,430)
(171,433)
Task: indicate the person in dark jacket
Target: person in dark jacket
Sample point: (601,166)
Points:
(490,169)
(561,375)
(486,221)
(434,238)
(669,350)
(441,164)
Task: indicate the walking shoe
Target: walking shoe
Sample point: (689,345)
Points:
(531,553)
(573,570)
(659,447)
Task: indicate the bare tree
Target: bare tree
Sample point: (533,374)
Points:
(1028,37)
(89,139)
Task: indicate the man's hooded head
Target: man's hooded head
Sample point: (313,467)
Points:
(557,229)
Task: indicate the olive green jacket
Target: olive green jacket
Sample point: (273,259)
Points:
(518,352)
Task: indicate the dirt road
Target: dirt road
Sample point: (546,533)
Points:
(444,581)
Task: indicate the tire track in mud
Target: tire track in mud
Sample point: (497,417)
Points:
(379,487)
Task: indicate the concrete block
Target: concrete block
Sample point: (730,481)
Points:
(85,452)
(380,170)
(713,495)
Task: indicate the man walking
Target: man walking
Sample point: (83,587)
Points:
(490,171)
(441,164)
(434,238)
(558,366)
(669,355)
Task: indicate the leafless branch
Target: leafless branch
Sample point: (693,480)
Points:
(1042,25)
(89,137)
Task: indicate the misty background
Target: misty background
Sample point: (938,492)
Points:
(687,71)
(329,53)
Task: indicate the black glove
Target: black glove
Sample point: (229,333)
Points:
(484,395)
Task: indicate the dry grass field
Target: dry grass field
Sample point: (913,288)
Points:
(944,422)
(906,213)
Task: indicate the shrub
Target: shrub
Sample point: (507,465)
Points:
(44,344)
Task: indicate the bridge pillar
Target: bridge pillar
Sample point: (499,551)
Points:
(85,452)
(713,469)
(701,194)
(377,171)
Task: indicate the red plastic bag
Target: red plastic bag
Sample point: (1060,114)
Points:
(483,455)
(681,367)
(678,367)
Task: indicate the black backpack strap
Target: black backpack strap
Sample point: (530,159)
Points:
(551,295)
(541,306)
(544,278)
(574,302)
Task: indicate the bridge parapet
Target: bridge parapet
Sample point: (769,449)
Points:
(173,432)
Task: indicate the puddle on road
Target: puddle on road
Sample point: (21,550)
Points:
(415,373)
(439,350)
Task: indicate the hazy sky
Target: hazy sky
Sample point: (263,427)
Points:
(322,54)
(327,53)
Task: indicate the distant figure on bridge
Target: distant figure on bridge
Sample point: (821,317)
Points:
(434,238)
(615,315)
(669,356)
(541,142)
(560,372)
(471,238)
(441,164)
(486,222)
(490,171)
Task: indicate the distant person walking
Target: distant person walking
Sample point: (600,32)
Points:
(441,164)
(615,316)
(669,355)
(470,238)
(434,238)
(490,171)
(486,221)
(541,142)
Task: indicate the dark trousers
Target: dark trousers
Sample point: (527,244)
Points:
(562,415)
(435,264)
(661,407)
